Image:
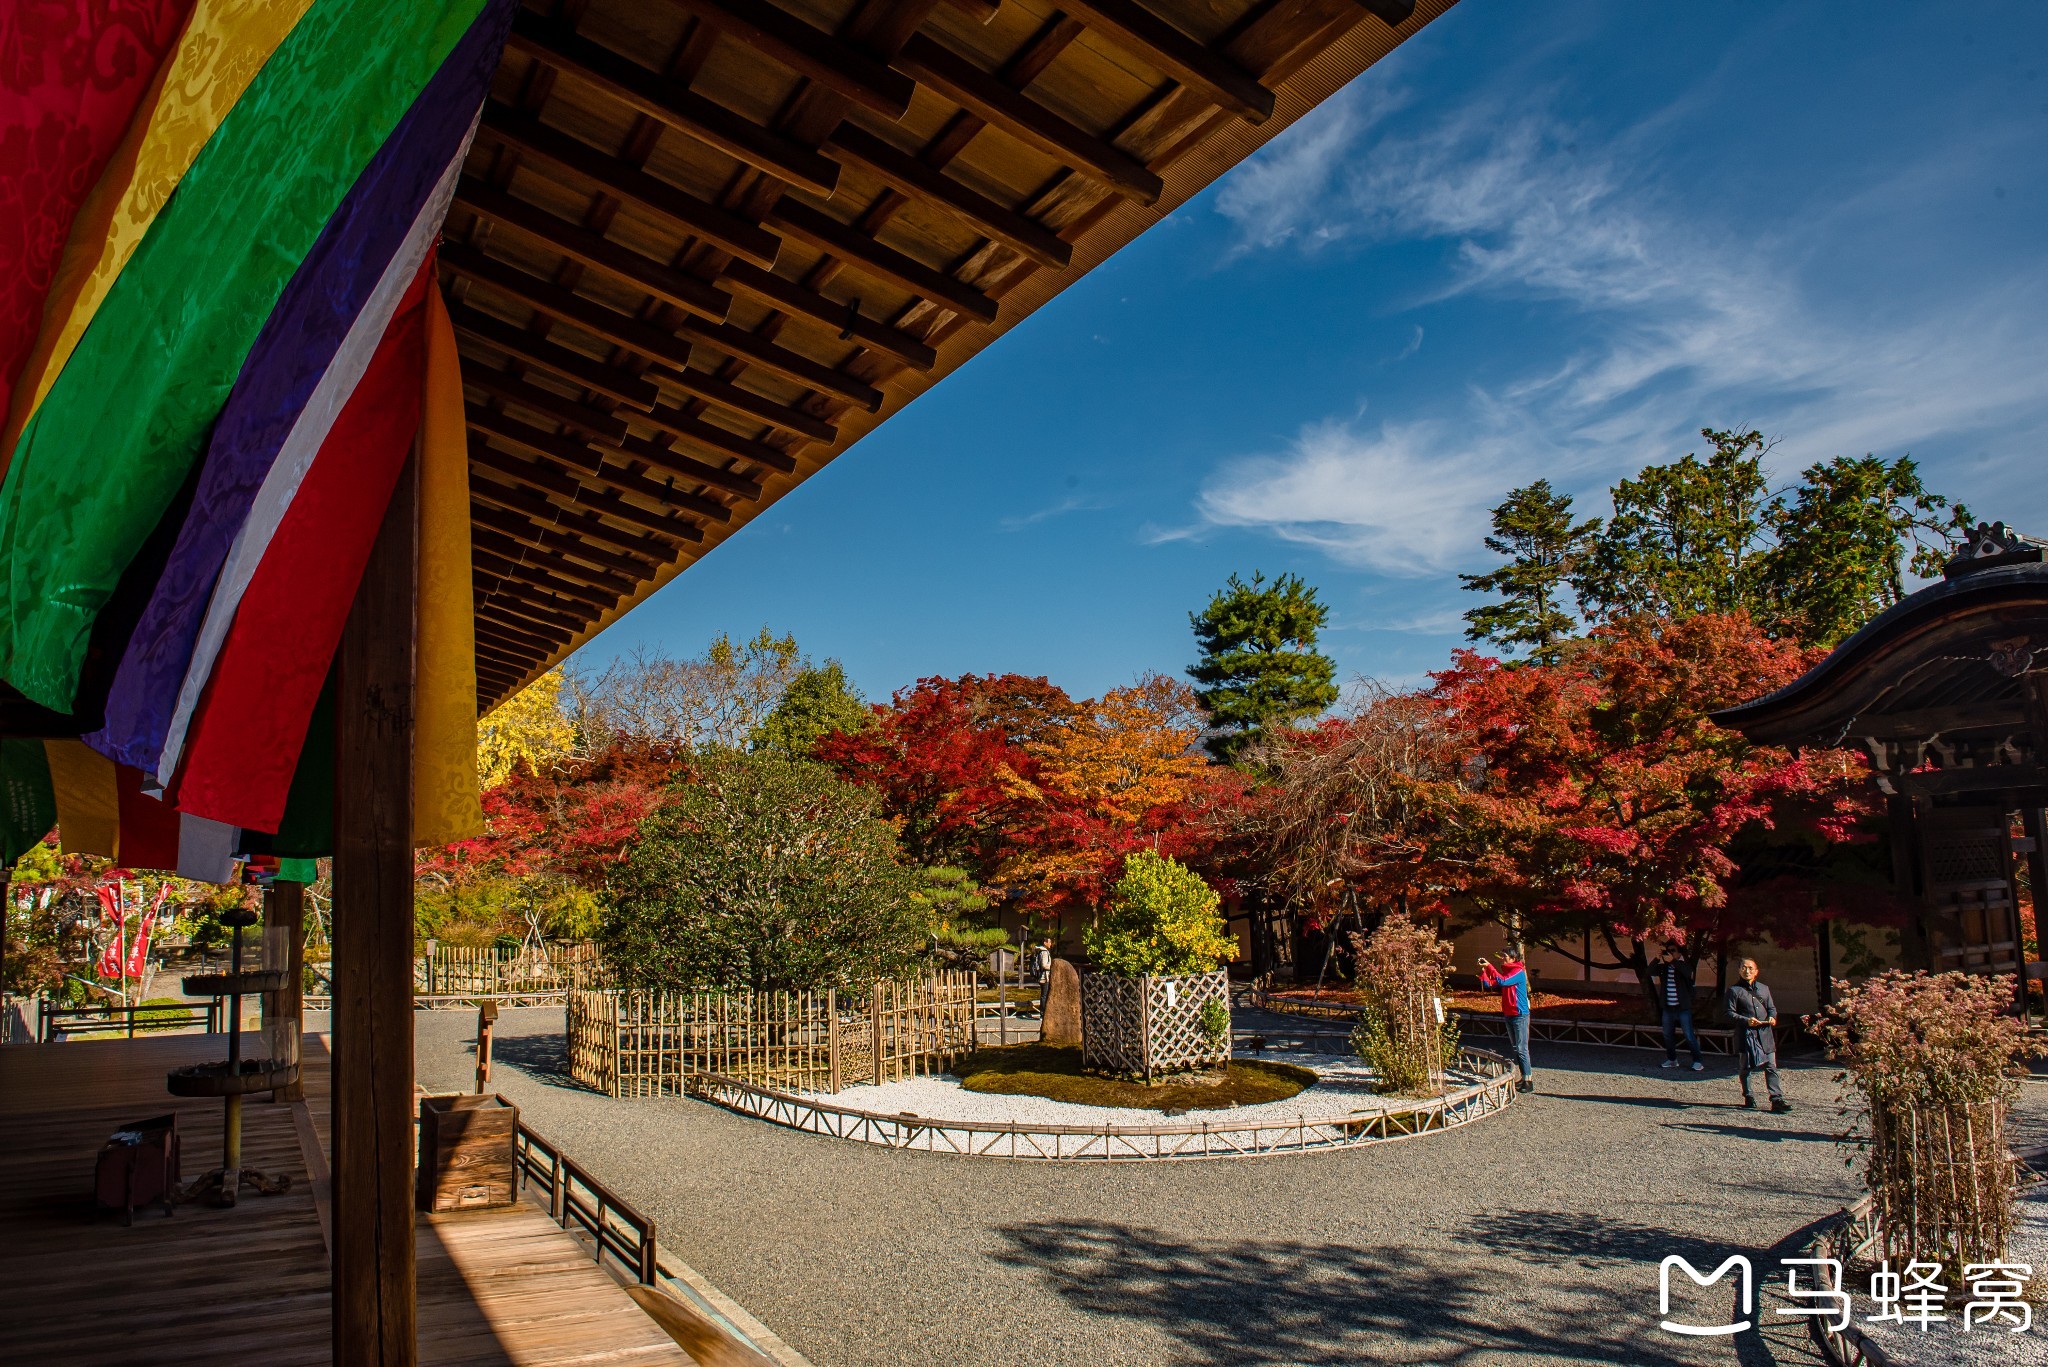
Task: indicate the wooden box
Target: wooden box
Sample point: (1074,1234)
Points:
(467,1153)
(138,1166)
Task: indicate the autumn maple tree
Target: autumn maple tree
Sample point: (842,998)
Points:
(1595,798)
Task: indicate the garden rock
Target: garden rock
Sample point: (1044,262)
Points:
(1062,1023)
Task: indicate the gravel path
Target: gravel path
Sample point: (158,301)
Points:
(1532,1237)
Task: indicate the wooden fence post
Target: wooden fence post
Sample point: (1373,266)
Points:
(284,910)
(1145,1025)
(832,1035)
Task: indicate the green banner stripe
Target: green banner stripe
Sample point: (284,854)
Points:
(124,422)
(28,802)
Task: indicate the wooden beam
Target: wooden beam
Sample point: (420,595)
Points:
(529,558)
(548,512)
(498,515)
(852,145)
(686,467)
(1024,118)
(853,326)
(980,11)
(740,344)
(537,586)
(644,338)
(730,396)
(375,1301)
(585,419)
(1160,44)
(717,441)
(595,250)
(509,596)
(564,467)
(865,254)
(832,64)
(573,367)
(522,636)
(625,180)
(512,661)
(665,101)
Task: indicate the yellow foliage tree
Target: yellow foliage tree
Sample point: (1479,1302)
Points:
(528,728)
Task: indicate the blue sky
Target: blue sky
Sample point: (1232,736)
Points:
(1539,241)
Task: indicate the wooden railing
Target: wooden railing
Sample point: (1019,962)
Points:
(576,1200)
(59,1022)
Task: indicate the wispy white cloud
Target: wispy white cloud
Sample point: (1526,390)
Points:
(1695,320)
(1073,503)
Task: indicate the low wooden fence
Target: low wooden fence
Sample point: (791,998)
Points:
(637,1042)
(454,977)
(1491,1090)
(576,1200)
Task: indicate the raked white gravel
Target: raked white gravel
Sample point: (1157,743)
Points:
(1343,1088)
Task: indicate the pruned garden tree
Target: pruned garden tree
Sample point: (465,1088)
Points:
(766,873)
(1544,545)
(1260,669)
(1162,920)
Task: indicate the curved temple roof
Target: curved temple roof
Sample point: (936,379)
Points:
(1954,658)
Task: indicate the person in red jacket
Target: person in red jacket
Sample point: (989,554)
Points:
(1512,978)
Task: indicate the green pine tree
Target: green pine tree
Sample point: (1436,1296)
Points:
(1535,531)
(1260,667)
(1685,538)
(817,702)
(1842,539)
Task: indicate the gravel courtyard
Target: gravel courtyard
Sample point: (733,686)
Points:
(1529,1237)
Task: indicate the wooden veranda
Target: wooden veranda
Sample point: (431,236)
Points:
(697,250)
(251,1283)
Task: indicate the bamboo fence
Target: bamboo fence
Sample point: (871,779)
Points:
(635,1043)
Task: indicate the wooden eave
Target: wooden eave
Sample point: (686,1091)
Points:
(1923,670)
(702,247)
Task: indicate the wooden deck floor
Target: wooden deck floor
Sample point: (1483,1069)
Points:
(250,1284)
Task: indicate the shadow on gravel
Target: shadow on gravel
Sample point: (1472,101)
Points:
(544,1058)
(1764,1132)
(1268,1301)
(1546,1236)
(1657,1103)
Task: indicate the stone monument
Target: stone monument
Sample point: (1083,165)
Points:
(1062,1022)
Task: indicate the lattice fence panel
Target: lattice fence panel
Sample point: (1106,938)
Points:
(1145,1027)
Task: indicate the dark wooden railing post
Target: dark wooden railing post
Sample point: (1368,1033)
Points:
(284,927)
(373,1265)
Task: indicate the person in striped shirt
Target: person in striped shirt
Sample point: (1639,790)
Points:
(1512,978)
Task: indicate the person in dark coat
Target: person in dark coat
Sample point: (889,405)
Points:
(1671,977)
(1754,1014)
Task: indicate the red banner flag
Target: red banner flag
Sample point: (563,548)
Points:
(138,949)
(113,959)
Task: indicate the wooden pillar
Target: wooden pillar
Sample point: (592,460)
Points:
(373,1273)
(2036,822)
(284,946)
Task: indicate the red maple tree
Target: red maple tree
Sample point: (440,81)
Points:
(1596,798)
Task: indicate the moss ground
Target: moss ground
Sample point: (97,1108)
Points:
(1043,1070)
